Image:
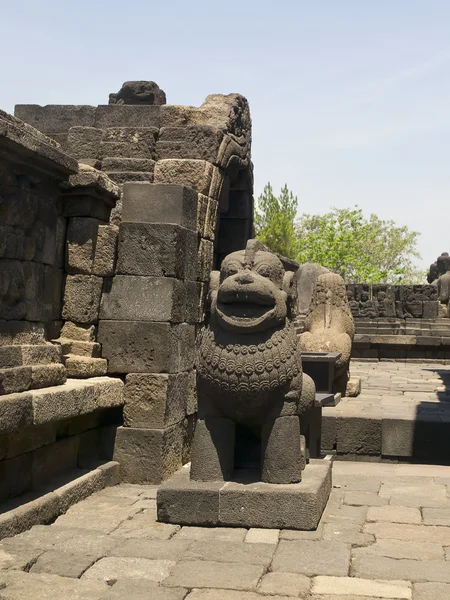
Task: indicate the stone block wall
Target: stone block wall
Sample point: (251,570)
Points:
(187,185)
(50,425)
(393,301)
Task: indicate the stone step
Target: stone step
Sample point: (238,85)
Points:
(79,347)
(29,354)
(84,367)
(44,505)
(20,379)
(50,404)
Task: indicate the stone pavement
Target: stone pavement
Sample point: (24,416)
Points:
(403,411)
(385,534)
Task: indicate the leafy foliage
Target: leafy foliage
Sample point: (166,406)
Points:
(360,249)
(275,221)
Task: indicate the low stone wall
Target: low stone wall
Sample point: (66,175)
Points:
(392,301)
(51,432)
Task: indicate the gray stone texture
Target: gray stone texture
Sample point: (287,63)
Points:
(82,298)
(155,400)
(159,249)
(160,203)
(194,142)
(132,298)
(148,455)
(145,347)
(200,175)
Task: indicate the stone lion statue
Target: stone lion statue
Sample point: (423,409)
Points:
(329,325)
(249,369)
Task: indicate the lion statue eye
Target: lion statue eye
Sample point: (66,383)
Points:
(229,270)
(264,271)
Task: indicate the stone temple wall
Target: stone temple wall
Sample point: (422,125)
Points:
(51,424)
(141,274)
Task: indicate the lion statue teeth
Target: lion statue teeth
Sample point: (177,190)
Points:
(249,369)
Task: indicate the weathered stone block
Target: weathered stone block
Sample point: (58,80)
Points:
(145,347)
(193,309)
(246,504)
(15,379)
(108,392)
(211,219)
(194,142)
(54,460)
(119,163)
(16,412)
(430,309)
(155,401)
(47,375)
(129,143)
(81,242)
(359,435)
(62,402)
(84,367)
(148,455)
(134,298)
(199,175)
(55,118)
(121,177)
(21,332)
(84,142)
(74,331)
(15,475)
(82,298)
(81,348)
(205,259)
(40,354)
(159,203)
(127,115)
(157,249)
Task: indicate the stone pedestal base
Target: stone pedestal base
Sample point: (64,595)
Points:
(246,502)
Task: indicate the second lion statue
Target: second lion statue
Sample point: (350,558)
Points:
(249,370)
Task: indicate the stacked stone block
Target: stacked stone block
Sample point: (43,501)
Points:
(90,259)
(198,160)
(147,327)
(32,231)
(48,426)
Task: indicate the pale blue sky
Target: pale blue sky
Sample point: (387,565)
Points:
(350,99)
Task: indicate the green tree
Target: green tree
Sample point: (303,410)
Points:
(275,221)
(359,249)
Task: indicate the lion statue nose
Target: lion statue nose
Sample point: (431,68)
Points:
(244,277)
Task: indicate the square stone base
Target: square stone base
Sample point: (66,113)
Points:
(246,502)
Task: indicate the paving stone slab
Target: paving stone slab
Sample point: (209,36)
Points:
(262,536)
(65,564)
(431,591)
(361,587)
(141,527)
(347,532)
(356,483)
(17,555)
(151,549)
(412,533)
(233,552)
(47,587)
(402,549)
(287,584)
(380,567)
(143,590)
(229,595)
(222,534)
(322,557)
(364,499)
(112,568)
(395,514)
(207,574)
(436,516)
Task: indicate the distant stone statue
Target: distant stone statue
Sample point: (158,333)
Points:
(443,282)
(433,274)
(329,325)
(139,92)
(249,370)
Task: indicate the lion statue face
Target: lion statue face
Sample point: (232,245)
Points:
(252,292)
